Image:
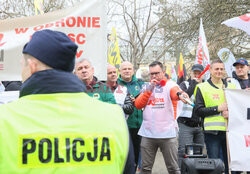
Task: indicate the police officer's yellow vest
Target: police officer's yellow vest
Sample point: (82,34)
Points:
(213,97)
(62,133)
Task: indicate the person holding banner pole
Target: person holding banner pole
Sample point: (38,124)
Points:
(211,106)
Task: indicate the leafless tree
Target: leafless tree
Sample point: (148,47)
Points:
(22,8)
(213,13)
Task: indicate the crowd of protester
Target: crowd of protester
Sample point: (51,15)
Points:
(156,109)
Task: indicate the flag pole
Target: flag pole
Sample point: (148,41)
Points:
(226,121)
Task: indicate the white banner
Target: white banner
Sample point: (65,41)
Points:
(227,57)
(9,96)
(85,24)
(239,128)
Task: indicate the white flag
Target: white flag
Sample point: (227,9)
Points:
(239,128)
(173,73)
(228,59)
(202,55)
(241,22)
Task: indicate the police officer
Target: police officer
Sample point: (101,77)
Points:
(54,127)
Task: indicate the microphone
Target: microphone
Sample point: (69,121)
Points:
(188,101)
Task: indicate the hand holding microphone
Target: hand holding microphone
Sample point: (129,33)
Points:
(185,98)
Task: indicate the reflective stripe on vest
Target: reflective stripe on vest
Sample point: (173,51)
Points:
(216,122)
(62,133)
(213,97)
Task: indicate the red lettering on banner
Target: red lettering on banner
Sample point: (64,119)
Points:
(1,37)
(247,139)
(79,39)
(79,53)
(81,21)
(21,30)
(95,22)
(60,22)
(72,37)
(49,25)
(73,21)
(89,22)
(37,28)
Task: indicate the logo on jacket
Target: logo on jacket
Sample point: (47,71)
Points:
(96,95)
(137,88)
(156,101)
(216,97)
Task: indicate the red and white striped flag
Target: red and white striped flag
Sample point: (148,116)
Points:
(241,22)
(202,54)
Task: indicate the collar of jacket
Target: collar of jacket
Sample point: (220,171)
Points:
(94,84)
(211,83)
(124,82)
(52,81)
(113,88)
(239,79)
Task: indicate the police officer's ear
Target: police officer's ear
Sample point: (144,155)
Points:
(33,65)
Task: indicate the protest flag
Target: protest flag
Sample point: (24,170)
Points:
(241,22)
(181,70)
(38,6)
(168,71)
(202,55)
(114,57)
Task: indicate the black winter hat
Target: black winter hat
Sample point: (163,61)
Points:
(53,48)
(197,67)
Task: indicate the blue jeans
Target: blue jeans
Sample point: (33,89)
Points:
(214,143)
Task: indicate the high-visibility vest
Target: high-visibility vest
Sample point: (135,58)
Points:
(62,133)
(213,97)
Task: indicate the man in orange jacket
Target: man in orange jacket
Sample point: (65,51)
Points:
(159,127)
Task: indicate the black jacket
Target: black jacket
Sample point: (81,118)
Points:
(54,81)
(242,85)
(195,120)
(12,85)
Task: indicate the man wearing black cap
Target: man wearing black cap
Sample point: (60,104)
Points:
(54,127)
(190,124)
(241,73)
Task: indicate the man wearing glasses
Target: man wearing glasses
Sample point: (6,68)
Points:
(159,128)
